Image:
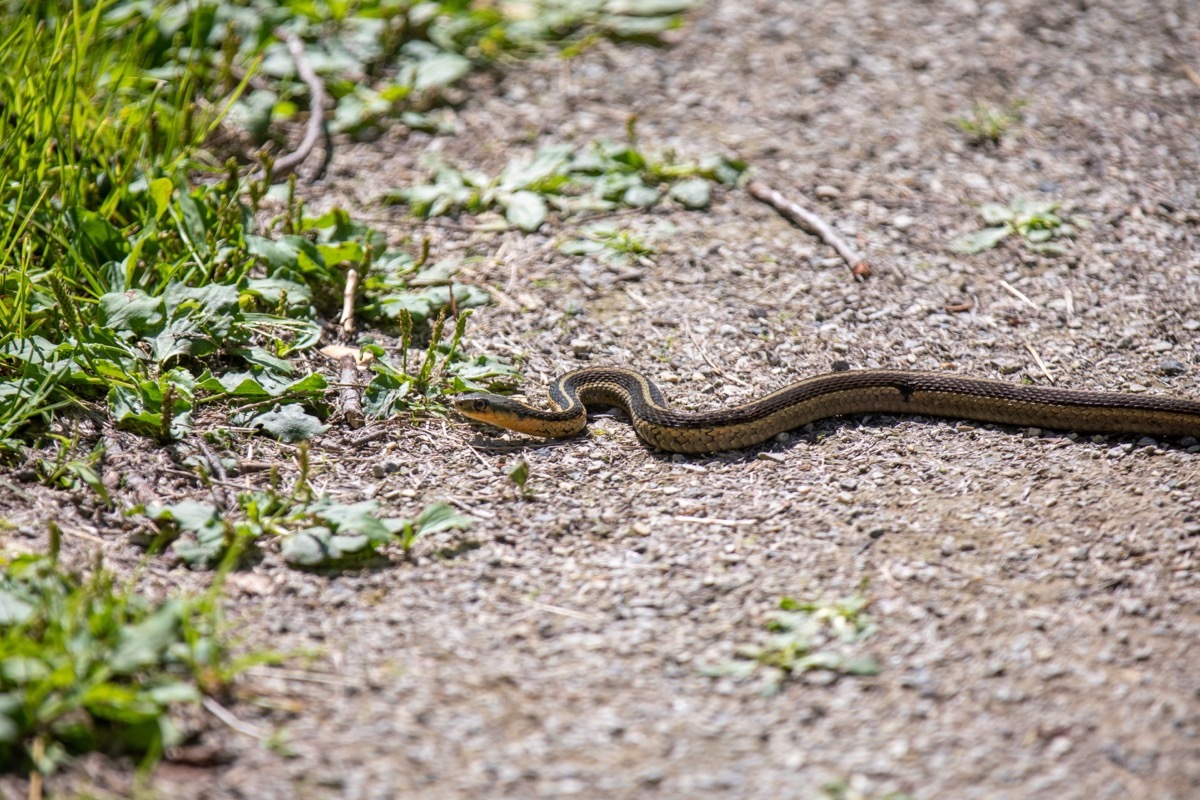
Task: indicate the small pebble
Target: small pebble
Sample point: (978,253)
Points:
(1172,366)
(827,192)
(903,222)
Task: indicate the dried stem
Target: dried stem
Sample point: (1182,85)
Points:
(811,223)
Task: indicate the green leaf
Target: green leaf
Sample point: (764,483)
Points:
(441,517)
(23,669)
(996,214)
(160,193)
(289,423)
(144,644)
(351,519)
(692,193)
(188,515)
(119,703)
(525,210)
(319,546)
(385,393)
(979,241)
(439,71)
(100,240)
(13,610)
(133,312)
(548,163)
(640,196)
(519,474)
(141,407)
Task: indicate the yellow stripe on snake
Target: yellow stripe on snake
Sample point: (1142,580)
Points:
(869,391)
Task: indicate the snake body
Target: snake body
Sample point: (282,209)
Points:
(870,391)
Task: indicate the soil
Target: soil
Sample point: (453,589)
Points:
(1036,593)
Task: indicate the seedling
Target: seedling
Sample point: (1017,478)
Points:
(599,177)
(987,124)
(1035,222)
(519,474)
(806,636)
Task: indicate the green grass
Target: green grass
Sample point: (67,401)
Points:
(133,276)
(142,280)
(313,532)
(806,636)
(599,177)
(88,664)
(987,125)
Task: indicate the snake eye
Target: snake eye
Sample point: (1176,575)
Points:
(480,404)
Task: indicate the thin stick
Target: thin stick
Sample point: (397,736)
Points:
(348,394)
(688,329)
(347,319)
(1041,364)
(316,108)
(1192,75)
(1017,293)
(723,523)
(220,712)
(35,776)
(811,223)
(566,612)
(215,467)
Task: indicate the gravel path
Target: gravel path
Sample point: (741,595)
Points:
(1036,594)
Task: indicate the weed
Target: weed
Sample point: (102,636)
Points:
(806,636)
(1035,222)
(313,532)
(89,665)
(842,790)
(519,475)
(986,124)
(600,177)
(610,245)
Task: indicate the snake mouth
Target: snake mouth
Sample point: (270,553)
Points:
(503,412)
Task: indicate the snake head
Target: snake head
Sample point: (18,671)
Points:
(475,405)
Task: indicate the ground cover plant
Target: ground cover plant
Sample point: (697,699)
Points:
(86,663)
(145,277)
(600,177)
(806,636)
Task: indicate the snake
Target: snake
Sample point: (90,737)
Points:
(835,394)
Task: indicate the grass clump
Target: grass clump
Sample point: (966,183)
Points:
(314,532)
(601,176)
(987,125)
(1036,223)
(806,636)
(87,664)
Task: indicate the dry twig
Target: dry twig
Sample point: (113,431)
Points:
(1017,293)
(316,109)
(347,320)
(704,355)
(811,223)
(348,394)
(225,715)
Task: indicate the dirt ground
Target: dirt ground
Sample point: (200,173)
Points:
(1037,595)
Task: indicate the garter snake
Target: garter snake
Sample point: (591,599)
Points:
(868,391)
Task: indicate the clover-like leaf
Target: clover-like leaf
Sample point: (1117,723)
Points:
(289,423)
(979,241)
